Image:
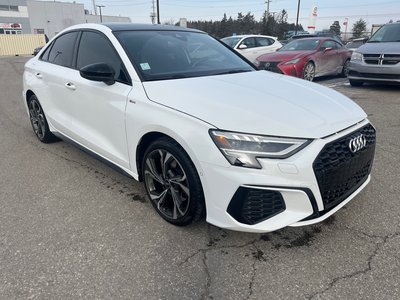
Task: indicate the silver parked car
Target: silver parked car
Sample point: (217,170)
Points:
(378,60)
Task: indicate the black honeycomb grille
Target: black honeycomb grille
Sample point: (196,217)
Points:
(340,172)
(251,205)
(270,66)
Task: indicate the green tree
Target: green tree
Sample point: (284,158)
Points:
(358,28)
(335,28)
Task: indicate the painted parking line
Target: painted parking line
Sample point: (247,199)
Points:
(336,84)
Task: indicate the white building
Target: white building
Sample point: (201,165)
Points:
(48,17)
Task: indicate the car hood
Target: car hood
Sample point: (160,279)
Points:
(259,102)
(380,48)
(283,56)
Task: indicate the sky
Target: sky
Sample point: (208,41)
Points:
(372,11)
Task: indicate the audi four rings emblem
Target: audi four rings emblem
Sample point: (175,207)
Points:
(357,143)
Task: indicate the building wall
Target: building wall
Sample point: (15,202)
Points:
(52,17)
(96,19)
(23,21)
(49,17)
(20,16)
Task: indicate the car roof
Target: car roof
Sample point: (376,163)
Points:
(149,27)
(249,35)
(322,38)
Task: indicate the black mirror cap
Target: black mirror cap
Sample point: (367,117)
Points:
(99,72)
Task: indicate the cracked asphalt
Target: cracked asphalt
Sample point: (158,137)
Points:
(71,227)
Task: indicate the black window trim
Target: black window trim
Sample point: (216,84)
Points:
(75,59)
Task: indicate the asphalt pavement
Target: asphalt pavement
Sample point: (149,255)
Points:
(73,228)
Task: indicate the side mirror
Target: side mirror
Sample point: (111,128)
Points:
(242,46)
(328,49)
(98,72)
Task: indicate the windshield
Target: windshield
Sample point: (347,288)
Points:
(231,41)
(160,55)
(387,33)
(298,45)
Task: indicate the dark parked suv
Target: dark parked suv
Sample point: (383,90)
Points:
(378,60)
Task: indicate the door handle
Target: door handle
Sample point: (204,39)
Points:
(70,86)
(39,75)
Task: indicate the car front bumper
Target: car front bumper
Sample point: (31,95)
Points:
(359,70)
(294,179)
(295,70)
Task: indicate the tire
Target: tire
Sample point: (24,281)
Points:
(309,71)
(345,69)
(355,82)
(39,122)
(172,183)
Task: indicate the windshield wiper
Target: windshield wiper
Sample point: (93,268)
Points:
(395,41)
(233,71)
(166,77)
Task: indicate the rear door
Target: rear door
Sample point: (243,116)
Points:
(52,69)
(264,45)
(97,110)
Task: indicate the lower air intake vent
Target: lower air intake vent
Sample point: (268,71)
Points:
(252,205)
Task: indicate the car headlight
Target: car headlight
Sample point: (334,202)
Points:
(242,149)
(293,61)
(356,56)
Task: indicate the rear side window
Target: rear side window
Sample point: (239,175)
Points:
(63,49)
(45,55)
(263,42)
(96,48)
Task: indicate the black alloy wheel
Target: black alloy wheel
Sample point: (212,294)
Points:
(345,70)
(38,121)
(172,183)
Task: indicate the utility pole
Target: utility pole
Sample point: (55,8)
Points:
(297,18)
(101,16)
(153,13)
(94,7)
(267,2)
(158,12)
(345,31)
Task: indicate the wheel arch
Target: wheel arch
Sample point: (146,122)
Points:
(141,147)
(150,136)
(28,94)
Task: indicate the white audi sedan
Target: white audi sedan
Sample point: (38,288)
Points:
(207,134)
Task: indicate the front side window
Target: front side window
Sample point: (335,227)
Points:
(338,45)
(231,41)
(328,44)
(249,42)
(63,49)
(160,55)
(95,48)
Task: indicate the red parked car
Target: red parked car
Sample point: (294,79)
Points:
(308,58)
